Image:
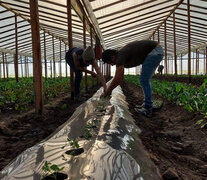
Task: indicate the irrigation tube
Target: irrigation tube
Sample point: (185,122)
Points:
(108,136)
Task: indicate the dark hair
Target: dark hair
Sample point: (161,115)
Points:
(106,55)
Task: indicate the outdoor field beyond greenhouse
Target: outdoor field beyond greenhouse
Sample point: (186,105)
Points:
(103,90)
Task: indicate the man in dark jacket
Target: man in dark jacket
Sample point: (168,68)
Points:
(160,69)
(146,52)
(78,59)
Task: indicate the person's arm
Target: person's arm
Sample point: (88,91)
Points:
(77,65)
(100,75)
(118,78)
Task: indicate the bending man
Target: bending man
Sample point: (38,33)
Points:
(146,52)
(78,59)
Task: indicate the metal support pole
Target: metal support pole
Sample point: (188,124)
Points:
(37,64)
(70,42)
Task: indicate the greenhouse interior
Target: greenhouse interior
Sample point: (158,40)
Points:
(103,89)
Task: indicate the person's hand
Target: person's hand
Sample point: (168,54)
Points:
(93,74)
(105,90)
(103,95)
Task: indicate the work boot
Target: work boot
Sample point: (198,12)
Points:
(144,111)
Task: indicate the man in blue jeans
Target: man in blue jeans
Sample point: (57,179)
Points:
(146,52)
(78,59)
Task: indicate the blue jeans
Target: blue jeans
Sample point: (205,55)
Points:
(151,62)
(78,77)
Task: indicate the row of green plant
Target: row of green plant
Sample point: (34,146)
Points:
(18,96)
(184,75)
(191,98)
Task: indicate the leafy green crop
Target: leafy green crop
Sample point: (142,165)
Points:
(193,99)
(19,96)
(51,168)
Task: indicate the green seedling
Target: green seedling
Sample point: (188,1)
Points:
(89,125)
(202,122)
(74,144)
(86,132)
(64,106)
(51,169)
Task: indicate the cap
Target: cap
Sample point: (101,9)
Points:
(88,55)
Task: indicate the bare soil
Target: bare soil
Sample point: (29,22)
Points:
(19,131)
(175,143)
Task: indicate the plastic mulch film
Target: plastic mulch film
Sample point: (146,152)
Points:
(100,141)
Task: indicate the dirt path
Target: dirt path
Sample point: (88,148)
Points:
(175,143)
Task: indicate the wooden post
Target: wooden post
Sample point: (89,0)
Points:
(206,60)
(21,66)
(91,37)
(193,70)
(175,56)
(7,68)
(168,64)
(189,42)
(3,65)
(37,64)
(16,53)
(204,63)
(45,56)
(25,66)
(158,36)
(172,65)
(53,57)
(70,42)
(84,45)
(51,68)
(181,64)
(60,61)
(165,34)
(66,69)
(196,61)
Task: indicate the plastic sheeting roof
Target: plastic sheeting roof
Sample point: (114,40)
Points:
(119,21)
